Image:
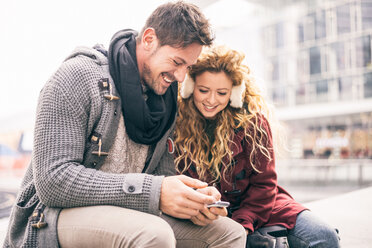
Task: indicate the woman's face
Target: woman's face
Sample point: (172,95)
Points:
(212,93)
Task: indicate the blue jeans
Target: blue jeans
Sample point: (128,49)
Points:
(311,232)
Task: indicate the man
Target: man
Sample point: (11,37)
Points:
(102,125)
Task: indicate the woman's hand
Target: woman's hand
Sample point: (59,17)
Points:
(207,215)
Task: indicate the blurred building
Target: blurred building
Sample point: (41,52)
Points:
(318,69)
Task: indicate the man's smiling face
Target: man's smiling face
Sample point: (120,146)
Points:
(167,64)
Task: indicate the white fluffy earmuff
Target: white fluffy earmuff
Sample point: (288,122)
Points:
(237,95)
(187,87)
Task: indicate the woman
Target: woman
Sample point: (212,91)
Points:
(223,137)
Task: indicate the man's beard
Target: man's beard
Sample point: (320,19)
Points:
(147,78)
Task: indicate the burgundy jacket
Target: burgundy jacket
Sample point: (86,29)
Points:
(255,198)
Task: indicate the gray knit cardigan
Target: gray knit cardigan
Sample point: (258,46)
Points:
(76,125)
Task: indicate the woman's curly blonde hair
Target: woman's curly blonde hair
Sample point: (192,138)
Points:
(192,143)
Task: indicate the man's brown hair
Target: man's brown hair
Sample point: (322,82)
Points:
(179,24)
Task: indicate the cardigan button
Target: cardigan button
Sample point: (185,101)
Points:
(131,189)
(115,112)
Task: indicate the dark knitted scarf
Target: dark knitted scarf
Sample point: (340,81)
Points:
(146,121)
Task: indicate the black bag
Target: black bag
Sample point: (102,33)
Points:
(268,237)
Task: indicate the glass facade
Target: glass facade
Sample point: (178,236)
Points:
(320,24)
(368,85)
(333,64)
(338,60)
(321,91)
(279,35)
(366,10)
(315,60)
(345,87)
(363,51)
(322,54)
(343,19)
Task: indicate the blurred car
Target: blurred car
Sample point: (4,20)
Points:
(19,159)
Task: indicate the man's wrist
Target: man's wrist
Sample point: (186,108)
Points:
(154,201)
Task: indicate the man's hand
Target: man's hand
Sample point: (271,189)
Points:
(207,215)
(178,197)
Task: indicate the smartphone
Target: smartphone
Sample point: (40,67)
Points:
(219,204)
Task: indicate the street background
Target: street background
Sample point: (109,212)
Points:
(312,60)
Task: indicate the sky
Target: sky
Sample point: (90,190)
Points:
(36,36)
